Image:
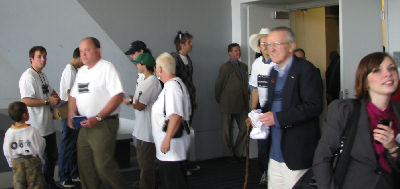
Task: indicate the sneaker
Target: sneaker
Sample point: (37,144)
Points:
(76,179)
(264,179)
(194,168)
(68,184)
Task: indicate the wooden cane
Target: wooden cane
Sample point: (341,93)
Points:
(248,125)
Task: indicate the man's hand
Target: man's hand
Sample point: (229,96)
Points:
(70,122)
(165,145)
(268,119)
(90,122)
(54,100)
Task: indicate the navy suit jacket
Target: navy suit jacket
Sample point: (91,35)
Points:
(302,102)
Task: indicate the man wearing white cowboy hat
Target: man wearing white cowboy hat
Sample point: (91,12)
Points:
(260,72)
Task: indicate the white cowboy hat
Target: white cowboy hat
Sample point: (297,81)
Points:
(253,39)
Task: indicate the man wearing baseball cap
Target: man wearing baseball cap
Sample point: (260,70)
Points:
(146,93)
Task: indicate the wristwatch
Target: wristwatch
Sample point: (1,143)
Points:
(98,118)
(46,101)
(131,101)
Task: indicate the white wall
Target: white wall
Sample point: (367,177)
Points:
(60,25)
(156,23)
(56,25)
(360,34)
(392,26)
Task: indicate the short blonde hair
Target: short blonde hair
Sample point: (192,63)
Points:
(167,63)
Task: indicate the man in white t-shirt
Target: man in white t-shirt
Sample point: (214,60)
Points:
(259,81)
(38,95)
(168,113)
(67,163)
(146,94)
(96,94)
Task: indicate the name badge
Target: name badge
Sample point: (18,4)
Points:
(83,87)
(263,81)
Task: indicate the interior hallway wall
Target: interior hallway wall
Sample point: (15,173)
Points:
(156,23)
(58,26)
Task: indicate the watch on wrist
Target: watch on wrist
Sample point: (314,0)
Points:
(46,101)
(98,118)
(131,101)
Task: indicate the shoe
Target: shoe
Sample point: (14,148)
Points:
(194,168)
(68,184)
(76,179)
(188,173)
(264,179)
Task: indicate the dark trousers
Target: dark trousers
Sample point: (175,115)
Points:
(50,159)
(67,159)
(172,174)
(263,152)
(146,155)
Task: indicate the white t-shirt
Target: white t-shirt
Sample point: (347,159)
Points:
(94,87)
(24,141)
(260,70)
(67,81)
(149,89)
(176,103)
(31,85)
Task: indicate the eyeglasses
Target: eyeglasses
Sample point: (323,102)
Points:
(275,44)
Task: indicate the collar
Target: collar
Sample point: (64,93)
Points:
(20,126)
(235,61)
(285,68)
(266,61)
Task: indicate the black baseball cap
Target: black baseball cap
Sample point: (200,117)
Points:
(136,46)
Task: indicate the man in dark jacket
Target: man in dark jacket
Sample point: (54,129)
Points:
(295,99)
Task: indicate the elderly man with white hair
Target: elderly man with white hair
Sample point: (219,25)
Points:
(169,117)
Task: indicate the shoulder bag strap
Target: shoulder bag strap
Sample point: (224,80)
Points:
(349,135)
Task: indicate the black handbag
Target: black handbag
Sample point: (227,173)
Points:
(341,157)
(184,124)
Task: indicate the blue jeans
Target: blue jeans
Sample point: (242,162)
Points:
(50,159)
(67,159)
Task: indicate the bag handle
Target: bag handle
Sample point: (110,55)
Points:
(349,136)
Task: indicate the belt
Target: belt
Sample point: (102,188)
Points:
(111,117)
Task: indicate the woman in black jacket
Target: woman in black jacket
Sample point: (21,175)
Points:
(374,157)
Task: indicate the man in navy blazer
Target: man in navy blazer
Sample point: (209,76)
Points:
(294,103)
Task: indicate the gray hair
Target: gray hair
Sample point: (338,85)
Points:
(289,33)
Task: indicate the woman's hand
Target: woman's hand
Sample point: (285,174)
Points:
(385,135)
(165,145)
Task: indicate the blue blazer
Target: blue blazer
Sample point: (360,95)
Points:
(299,119)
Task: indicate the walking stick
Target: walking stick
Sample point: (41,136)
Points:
(248,125)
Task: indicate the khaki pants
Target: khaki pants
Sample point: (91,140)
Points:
(96,162)
(27,172)
(227,133)
(146,156)
(280,176)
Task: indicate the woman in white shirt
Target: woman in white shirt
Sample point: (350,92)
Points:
(169,116)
